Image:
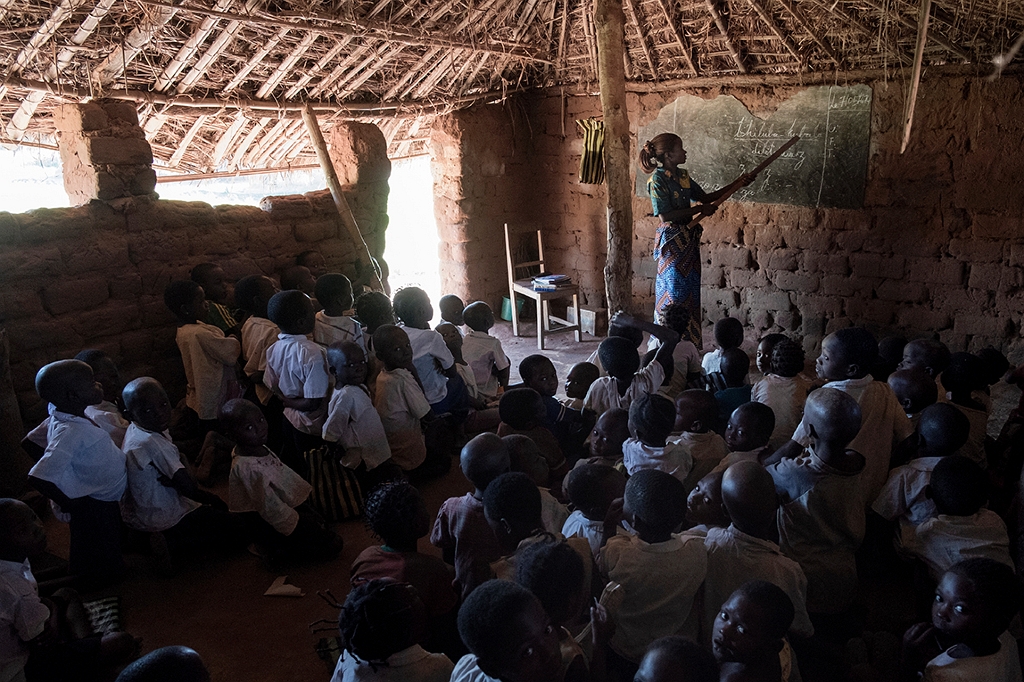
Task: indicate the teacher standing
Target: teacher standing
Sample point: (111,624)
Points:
(677,249)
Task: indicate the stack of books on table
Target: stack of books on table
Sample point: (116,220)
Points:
(551,282)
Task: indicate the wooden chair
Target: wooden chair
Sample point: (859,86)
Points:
(525,288)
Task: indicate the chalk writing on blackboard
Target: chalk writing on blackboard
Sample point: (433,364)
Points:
(827,167)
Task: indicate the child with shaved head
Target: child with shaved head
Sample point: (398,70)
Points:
(694,431)
(821,492)
(915,390)
(748,433)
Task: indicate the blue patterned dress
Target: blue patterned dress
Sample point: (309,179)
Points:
(677,249)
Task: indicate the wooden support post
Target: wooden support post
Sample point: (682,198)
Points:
(334,184)
(610,22)
(915,81)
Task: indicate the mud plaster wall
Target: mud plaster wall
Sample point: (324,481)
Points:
(937,247)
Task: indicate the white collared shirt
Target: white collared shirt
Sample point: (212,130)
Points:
(82,460)
(414,664)
(149,505)
(603,394)
(353,422)
(484,355)
(268,486)
(429,349)
(672,458)
(297,368)
(400,402)
(22,616)
(706,450)
(328,330)
(786,396)
(944,540)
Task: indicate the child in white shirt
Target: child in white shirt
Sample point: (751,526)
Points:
(651,418)
(334,293)
(591,488)
(783,390)
(728,334)
(685,357)
(252,294)
(434,363)
(483,352)
(747,433)
(352,422)
(626,381)
(696,414)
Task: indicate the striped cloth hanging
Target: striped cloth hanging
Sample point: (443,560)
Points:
(592,161)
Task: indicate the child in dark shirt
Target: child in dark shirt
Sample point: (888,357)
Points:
(211,278)
(522,411)
(735,365)
(569,426)
(610,433)
(749,631)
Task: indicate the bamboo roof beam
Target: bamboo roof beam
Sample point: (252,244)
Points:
(468,83)
(227,139)
(285,67)
(837,11)
(435,74)
(61,13)
(634,19)
(111,68)
(935,36)
(4,6)
(770,22)
(260,55)
(338,71)
(246,143)
(720,23)
(681,40)
(189,49)
(560,55)
(153,125)
(318,68)
(179,153)
(801,20)
(276,141)
(223,39)
(367,73)
(266,139)
(21,118)
(427,57)
(350,72)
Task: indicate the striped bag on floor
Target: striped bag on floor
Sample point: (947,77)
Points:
(592,161)
(336,493)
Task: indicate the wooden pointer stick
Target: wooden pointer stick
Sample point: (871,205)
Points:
(738,182)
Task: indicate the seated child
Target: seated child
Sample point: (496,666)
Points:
(451,307)
(626,381)
(398,516)
(297,372)
(704,507)
(82,471)
(749,631)
(765,348)
(728,334)
(821,492)
(963,528)
(272,495)
(994,368)
(577,383)
(352,422)
(634,335)
(334,293)
(209,357)
(434,363)
(525,456)
(846,356)
(651,418)
(890,354)
(747,548)
(569,426)
(928,355)
(696,413)
(522,411)
(178,663)
(483,352)
(783,389)
(915,390)
(592,488)
(52,637)
(677,659)
(482,416)
(313,261)
(747,434)
(685,357)
(967,638)
(609,435)
(659,572)
(162,498)
(461,531)
(252,294)
(735,365)
(211,278)
(402,407)
(382,626)
(298,278)
(498,623)
(962,378)
(373,309)
(941,431)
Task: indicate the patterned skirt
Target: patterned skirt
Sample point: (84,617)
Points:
(677,253)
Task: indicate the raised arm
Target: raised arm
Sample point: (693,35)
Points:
(668,337)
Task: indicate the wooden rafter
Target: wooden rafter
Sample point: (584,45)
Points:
(61,13)
(634,19)
(189,49)
(260,55)
(223,39)
(932,35)
(684,44)
(179,153)
(427,57)
(318,68)
(338,71)
(227,139)
(357,79)
(285,67)
(114,64)
(773,26)
(468,82)
(345,71)
(722,29)
(800,19)
(246,143)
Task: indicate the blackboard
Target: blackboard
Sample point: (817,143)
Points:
(827,167)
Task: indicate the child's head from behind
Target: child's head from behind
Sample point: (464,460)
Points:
(914,389)
(69,385)
(655,504)
(347,362)
(292,311)
(749,498)
(995,364)
(478,316)
(253,293)
(890,354)
(965,373)
(847,354)
(525,456)
(538,372)
(610,431)
(958,486)
(593,487)
(244,423)
(298,278)
(451,307)
(676,316)
(765,347)
(975,601)
(677,659)
(554,573)
(787,358)
(21,532)
(512,507)
(483,459)
(521,408)
(833,418)
(942,429)
(618,357)
(704,503)
(928,355)
(211,278)
(167,664)
(735,366)
(696,411)
(392,346)
(505,626)
(104,371)
(381,617)
(651,418)
(580,377)
(752,623)
(630,333)
(412,306)
(749,428)
(334,292)
(147,405)
(187,301)
(728,333)
(374,310)
(397,514)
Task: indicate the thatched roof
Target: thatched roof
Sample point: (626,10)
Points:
(222,80)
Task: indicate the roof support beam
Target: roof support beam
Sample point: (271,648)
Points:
(635,20)
(720,23)
(27,54)
(223,39)
(112,67)
(305,78)
(798,16)
(285,67)
(179,153)
(935,36)
(769,21)
(186,51)
(681,40)
(244,72)
(246,142)
(227,139)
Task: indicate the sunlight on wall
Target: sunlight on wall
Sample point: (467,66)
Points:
(248,189)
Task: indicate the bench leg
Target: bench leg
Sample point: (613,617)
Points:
(515,315)
(579,320)
(541,323)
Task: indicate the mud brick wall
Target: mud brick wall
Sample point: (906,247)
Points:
(938,246)
(93,276)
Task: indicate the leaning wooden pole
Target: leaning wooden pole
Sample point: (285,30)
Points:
(610,21)
(344,211)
